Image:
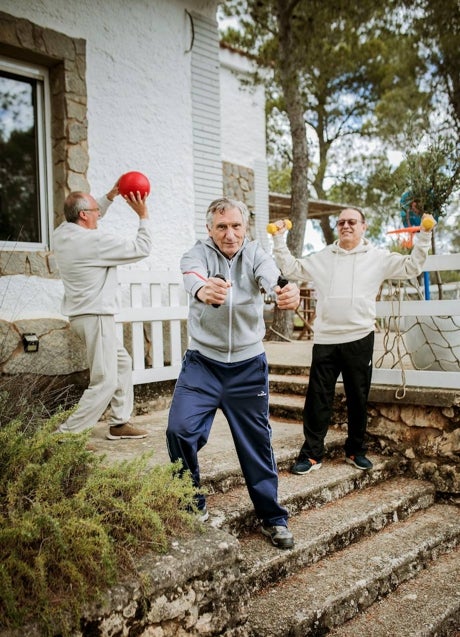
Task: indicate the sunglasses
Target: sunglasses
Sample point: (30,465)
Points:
(351,222)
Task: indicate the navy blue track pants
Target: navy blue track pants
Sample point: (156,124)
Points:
(240,390)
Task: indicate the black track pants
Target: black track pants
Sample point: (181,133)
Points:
(354,361)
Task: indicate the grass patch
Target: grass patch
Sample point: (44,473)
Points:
(71,525)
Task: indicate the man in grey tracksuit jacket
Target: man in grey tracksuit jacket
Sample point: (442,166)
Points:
(347,276)
(225,365)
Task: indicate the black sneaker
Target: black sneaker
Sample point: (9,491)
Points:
(305,466)
(360,462)
(280,536)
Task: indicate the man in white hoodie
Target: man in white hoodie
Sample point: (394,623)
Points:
(347,276)
(87,257)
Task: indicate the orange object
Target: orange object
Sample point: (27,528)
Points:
(272,227)
(401,230)
(406,243)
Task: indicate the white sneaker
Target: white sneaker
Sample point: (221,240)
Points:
(203,514)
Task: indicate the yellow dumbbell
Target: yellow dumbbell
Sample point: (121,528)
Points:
(428,222)
(272,227)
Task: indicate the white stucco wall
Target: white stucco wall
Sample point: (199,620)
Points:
(242,110)
(243,128)
(138,80)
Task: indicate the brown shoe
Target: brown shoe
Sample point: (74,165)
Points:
(125,431)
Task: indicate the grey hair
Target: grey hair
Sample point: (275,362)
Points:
(363,218)
(74,204)
(222,205)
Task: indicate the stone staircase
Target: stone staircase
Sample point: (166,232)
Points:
(376,554)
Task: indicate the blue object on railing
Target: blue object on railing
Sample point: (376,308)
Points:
(426,283)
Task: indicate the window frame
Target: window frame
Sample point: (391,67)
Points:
(44,150)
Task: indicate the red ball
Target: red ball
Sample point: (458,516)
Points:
(133,182)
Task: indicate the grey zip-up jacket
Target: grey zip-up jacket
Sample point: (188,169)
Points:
(347,283)
(234,331)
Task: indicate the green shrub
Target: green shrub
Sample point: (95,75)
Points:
(71,525)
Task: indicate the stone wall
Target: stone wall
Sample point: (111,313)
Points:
(423,427)
(429,437)
(29,263)
(196,589)
(61,362)
(238,183)
(60,350)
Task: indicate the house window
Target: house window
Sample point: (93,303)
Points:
(24,153)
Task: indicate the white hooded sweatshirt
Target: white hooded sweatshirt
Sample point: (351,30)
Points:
(347,282)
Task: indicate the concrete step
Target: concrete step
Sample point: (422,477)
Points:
(328,593)
(334,446)
(425,606)
(296,384)
(220,468)
(287,405)
(288,384)
(219,465)
(233,511)
(321,531)
(287,369)
(290,405)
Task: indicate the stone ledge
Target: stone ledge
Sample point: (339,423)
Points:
(415,396)
(29,262)
(197,589)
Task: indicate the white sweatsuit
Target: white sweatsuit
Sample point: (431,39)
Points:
(346,283)
(87,261)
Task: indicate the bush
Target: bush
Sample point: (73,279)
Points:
(71,525)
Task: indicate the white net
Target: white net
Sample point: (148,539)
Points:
(418,342)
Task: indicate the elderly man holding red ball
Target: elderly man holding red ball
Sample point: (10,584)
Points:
(87,257)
